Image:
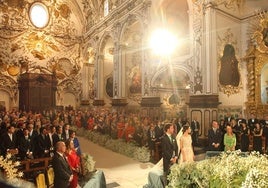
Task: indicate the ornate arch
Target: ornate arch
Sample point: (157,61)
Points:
(10,86)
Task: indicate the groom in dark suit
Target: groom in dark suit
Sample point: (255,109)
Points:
(62,170)
(169,149)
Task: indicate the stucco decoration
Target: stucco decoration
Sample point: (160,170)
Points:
(69,85)
(10,86)
(20,39)
(93,11)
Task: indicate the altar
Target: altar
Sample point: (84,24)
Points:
(96,181)
(155,179)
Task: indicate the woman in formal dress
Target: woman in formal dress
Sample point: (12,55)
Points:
(74,162)
(257,138)
(75,141)
(244,137)
(187,153)
(229,139)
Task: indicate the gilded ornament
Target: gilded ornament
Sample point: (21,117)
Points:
(257,58)
(3,65)
(64,11)
(13,70)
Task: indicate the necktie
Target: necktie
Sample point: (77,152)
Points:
(170,138)
(64,157)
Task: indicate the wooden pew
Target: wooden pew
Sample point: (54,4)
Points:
(31,165)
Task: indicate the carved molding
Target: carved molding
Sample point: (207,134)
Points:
(10,86)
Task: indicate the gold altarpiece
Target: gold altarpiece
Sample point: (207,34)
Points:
(257,64)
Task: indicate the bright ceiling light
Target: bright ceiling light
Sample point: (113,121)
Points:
(163,42)
(39,15)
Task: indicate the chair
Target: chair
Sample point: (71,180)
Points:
(41,180)
(50,177)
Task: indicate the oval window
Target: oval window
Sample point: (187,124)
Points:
(39,15)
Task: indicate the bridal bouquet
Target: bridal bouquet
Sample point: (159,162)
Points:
(230,169)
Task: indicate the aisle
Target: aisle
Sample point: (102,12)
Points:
(119,170)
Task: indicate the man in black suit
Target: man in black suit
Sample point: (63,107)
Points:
(251,122)
(65,132)
(58,136)
(169,149)
(42,144)
(62,170)
(8,140)
(215,138)
(159,131)
(25,145)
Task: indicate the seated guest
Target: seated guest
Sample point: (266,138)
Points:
(62,170)
(74,162)
(41,146)
(25,145)
(229,139)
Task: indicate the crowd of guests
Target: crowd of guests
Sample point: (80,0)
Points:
(29,135)
(34,135)
(231,134)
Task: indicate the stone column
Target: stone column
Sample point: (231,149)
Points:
(98,82)
(85,84)
(209,53)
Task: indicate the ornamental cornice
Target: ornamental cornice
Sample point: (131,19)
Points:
(117,15)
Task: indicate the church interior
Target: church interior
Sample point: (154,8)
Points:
(198,60)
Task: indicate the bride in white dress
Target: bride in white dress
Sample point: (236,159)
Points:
(185,142)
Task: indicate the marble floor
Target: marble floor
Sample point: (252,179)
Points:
(119,170)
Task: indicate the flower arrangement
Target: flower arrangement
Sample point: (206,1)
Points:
(87,168)
(141,154)
(9,168)
(87,163)
(230,169)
